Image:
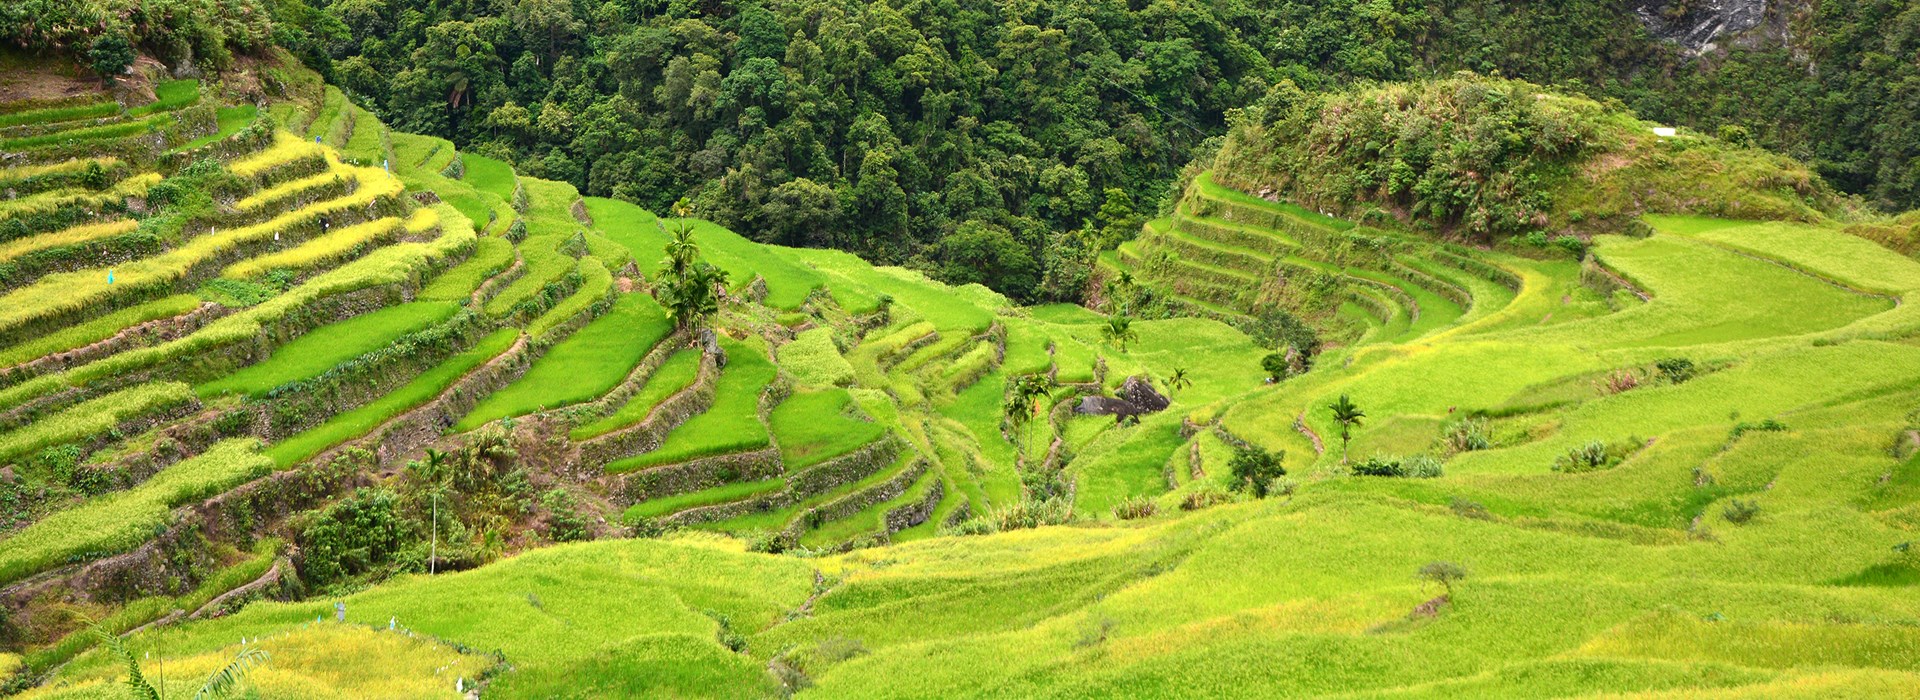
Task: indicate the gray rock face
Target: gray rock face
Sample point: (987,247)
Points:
(1136,397)
(1703,23)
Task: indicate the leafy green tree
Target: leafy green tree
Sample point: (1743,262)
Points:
(110,55)
(987,254)
(1348,416)
(1276,367)
(1445,573)
(1117,219)
(1254,469)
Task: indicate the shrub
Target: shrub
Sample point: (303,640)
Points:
(1675,369)
(1466,435)
(1255,468)
(1134,508)
(1616,382)
(1445,573)
(1206,496)
(1275,365)
(1469,509)
(1414,467)
(1740,512)
(1765,426)
(1591,456)
(360,534)
(564,521)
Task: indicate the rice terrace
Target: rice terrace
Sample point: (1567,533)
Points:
(547,348)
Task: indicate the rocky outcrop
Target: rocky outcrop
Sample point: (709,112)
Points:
(1701,27)
(1136,397)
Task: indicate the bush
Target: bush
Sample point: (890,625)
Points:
(1445,573)
(110,55)
(1466,435)
(564,521)
(1740,512)
(1255,468)
(1206,496)
(1275,365)
(1675,369)
(1617,382)
(1414,467)
(1134,508)
(1594,456)
(1469,509)
(1766,426)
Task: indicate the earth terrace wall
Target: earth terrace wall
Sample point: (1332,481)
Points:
(732,509)
(217,361)
(844,469)
(912,514)
(650,432)
(177,560)
(137,336)
(1233,260)
(492,286)
(696,474)
(851,504)
(1227,235)
(421,426)
(887,360)
(1452,292)
(297,406)
(634,382)
(1459,258)
(188,124)
(173,443)
(110,251)
(115,170)
(253,137)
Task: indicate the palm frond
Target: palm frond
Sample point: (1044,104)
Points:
(228,677)
(136,681)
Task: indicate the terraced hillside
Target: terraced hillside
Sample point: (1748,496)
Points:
(262,360)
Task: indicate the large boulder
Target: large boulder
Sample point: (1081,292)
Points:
(1139,391)
(1137,397)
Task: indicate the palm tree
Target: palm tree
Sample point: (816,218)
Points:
(681,253)
(1348,415)
(1119,331)
(1178,380)
(1023,399)
(689,298)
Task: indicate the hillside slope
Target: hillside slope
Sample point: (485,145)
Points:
(260,362)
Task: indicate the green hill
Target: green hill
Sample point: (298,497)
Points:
(250,375)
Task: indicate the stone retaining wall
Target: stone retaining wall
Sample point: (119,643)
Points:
(648,434)
(845,469)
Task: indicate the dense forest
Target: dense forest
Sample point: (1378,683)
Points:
(1000,141)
